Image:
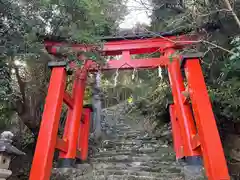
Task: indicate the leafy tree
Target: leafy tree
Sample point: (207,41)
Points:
(226,94)
(5,93)
(23,54)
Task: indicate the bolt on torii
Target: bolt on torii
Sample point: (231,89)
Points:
(195,135)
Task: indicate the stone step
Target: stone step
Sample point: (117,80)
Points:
(128,134)
(130,131)
(124,128)
(129,158)
(134,146)
(137,166)
(122,125)
(109,154)
(146,138)
(89,172)
(108,172)
(135,141)
(129,177)
(150,170)
(133,150)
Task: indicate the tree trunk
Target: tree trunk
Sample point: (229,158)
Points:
(30,123)
(232,11)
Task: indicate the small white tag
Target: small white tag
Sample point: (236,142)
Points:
(159,72)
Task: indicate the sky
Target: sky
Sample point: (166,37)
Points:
(139,12)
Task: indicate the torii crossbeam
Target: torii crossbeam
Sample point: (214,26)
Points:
(195,134)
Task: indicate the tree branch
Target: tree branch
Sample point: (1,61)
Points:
(232,11)
(21,84)
(194,42)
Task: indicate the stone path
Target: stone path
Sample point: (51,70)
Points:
(126,153)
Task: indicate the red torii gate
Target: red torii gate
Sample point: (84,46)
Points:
(190,141)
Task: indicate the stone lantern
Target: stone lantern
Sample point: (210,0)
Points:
(7,150)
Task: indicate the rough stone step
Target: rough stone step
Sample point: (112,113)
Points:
(137,163)
(154,158)
(129,158)
(146,138)
(112,153)
(146,169)
(127,128)
(88,173)
(123,129)
(133,141)
(122,125)
(71,173)
(127,135)
(128,131)
(135,136)
(108,172)
(156,153)
(137,166)
(130,177)
(135,149)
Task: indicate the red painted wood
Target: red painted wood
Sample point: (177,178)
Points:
(47,138)
(63,147)
(195,141)
(68,120)
(183,111)
(177,139)
(214,159)
(68,99)
(76,114)
(84,134)
(131,64)
(140,46)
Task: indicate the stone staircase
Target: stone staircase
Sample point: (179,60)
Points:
(126,153)
(134,155)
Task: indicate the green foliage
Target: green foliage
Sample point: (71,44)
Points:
(226,94)
(82,21)
(154,105)
(5,95)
